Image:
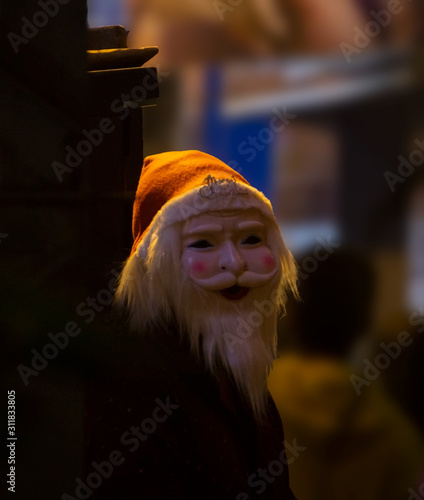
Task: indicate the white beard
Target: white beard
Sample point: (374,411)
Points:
(232,334)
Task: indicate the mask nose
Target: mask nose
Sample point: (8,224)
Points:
(230,259)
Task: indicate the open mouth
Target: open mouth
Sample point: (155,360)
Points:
(235,292)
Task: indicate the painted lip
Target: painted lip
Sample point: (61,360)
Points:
(235,292)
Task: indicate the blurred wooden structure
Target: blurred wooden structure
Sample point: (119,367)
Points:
(66,193)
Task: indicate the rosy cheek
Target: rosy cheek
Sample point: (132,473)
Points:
(198,267)
(269,261)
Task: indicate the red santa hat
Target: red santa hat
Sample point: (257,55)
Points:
(178,185)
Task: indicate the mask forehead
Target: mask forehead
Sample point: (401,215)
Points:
(231,220)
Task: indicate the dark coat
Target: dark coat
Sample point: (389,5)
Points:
(160,427)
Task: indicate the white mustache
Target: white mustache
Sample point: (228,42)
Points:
(224,280)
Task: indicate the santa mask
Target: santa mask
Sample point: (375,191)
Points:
(227,253)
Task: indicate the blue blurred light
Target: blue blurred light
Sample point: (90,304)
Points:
(105,13)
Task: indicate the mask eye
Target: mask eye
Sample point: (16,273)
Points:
(200,244)
(251,240)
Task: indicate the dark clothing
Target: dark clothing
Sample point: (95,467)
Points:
(178,433)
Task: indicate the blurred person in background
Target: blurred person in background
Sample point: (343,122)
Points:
(360,445)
